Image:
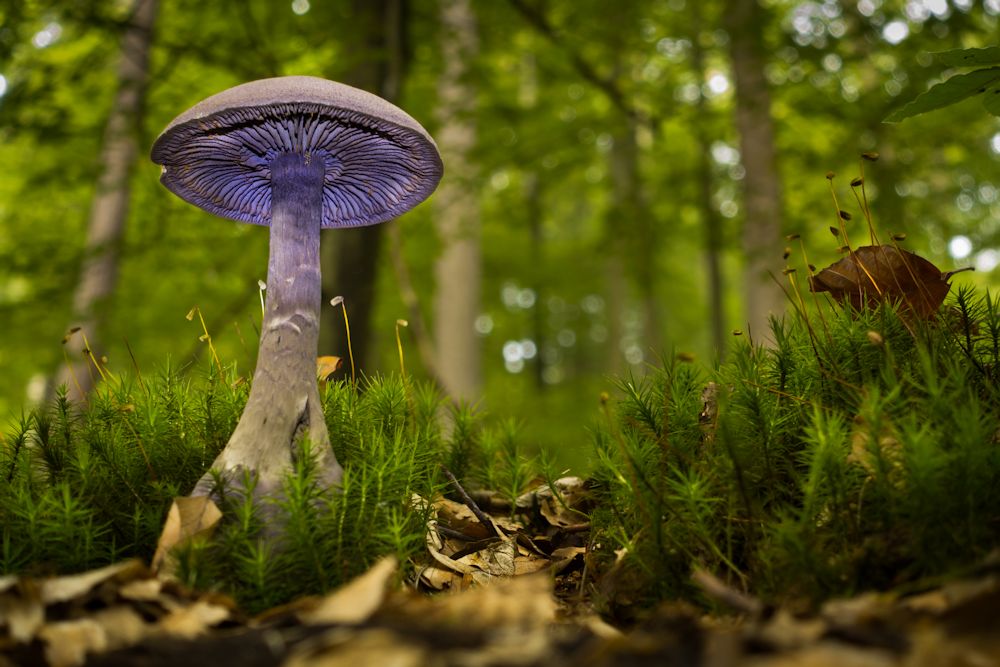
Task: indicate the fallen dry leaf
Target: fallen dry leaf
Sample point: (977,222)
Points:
(67,643)
(146,590)
(22,612)
(496,560)
(526,562)
(513,601)
(563,508)
(440,579)
(826,654)
(357,600)
(193,620)
(122,626)
(327,366)
(371,648)
(885,274)
(63,589)
(458,517)
(188,519)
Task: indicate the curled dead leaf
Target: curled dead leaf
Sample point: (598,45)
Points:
(885,274)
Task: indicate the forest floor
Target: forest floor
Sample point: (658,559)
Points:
(507,599)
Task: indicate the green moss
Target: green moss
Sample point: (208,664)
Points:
(860,452)
(82,488)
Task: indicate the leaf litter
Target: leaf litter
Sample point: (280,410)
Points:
(507,593)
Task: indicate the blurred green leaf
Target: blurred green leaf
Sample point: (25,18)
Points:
(968,57)
(949,92)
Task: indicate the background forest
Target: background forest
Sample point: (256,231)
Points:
(619,180)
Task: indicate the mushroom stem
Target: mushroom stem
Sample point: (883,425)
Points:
(284,403)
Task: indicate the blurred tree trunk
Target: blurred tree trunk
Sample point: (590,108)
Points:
(629,225)
(711,221)
(533,210)
(527,97)
(762,240)
(458,268)
(617,294)
(109,207)
(350,256)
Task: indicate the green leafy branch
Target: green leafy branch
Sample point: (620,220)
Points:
(984,82)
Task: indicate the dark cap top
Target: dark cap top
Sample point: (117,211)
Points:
(379,161)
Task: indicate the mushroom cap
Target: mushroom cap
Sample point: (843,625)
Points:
(379,161)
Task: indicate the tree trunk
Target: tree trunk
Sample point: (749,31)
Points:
(762,241)
(533,210)
(631,230)
(350,257)
(458,267)
(711,221)
(617,296)
(109,207)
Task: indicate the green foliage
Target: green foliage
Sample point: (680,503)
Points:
(857,453)
(544,134)
(984,82)
(503,465)
(82,488)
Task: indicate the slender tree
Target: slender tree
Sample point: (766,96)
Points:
(762,241)
(110,204)
(458,269)
(711,220)
(350,260)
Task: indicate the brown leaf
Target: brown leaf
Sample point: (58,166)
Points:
(460,517)
(188,519)
(363,648)
(440,579)
(64,589)
(523,600)
(327,366)
(67,643)
(193,620)
(881,274)
(565,510)
(357,600)
(22,612)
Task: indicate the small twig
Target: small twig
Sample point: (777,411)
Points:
(475,547)
(456,534)
(470,503)
(719,591)
(575,528)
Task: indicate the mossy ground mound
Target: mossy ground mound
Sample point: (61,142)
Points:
(859,452)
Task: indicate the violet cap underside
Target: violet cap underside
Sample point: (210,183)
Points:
(379,162)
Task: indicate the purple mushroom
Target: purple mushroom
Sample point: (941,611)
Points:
(296,153)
